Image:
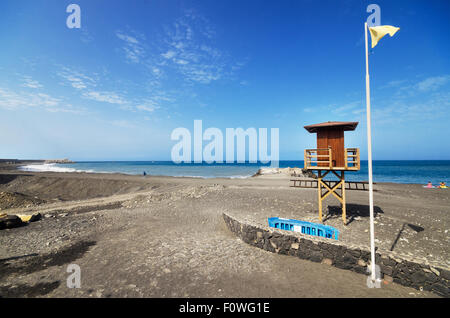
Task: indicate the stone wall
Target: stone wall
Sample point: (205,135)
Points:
(407,272)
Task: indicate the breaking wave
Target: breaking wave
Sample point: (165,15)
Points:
(52,167)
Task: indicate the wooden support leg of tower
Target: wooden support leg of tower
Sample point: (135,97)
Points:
(344,207)
(332,190)
(319,188)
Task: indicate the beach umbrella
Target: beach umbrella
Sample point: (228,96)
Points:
(376,33)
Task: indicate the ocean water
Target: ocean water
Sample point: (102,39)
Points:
(405,171)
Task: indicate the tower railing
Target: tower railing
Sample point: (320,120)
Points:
(318,158)
(321,158)
(352,161)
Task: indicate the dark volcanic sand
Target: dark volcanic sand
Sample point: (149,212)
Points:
(165,237)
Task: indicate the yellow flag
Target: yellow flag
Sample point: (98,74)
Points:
(376,33)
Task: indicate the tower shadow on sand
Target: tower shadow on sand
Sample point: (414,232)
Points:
(353,211)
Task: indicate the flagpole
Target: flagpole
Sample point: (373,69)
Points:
(369,151)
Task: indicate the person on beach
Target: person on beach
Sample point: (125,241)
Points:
(144,174)
(429,185)
(442,185)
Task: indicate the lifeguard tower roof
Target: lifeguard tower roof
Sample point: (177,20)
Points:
(345,125)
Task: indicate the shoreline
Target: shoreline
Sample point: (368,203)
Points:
(16,167)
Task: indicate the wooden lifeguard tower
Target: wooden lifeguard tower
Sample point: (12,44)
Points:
(331,155)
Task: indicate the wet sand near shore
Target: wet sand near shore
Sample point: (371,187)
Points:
(136,236)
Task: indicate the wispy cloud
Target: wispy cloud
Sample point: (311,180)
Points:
(432,83)
(169,54)
(185,49)
(396,111)
(188,49)
(395,83)
(182,54)
(348,107)
(12,100)
(148,108)
(104,96)
(30,83)
(90,87)
(418,100)
(134,50)
(411,87)
(77,79)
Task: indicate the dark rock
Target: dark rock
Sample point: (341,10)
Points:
(354,253)
(345,260)
(349,258)
(365,255)
(292,252)
(441,289)
(418,277)
(276,235)
(342,265)
(327,254)
(402,280)
(386,270)
(10,221)
(360,269)
(431,277)
(303,252)
(444,273)
(316,256)
(388,262)
(315,248)
(403,268)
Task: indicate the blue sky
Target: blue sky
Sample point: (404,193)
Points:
(117,87)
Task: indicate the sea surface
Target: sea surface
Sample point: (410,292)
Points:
(404,171)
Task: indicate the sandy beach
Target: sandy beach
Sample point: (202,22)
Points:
(136,236)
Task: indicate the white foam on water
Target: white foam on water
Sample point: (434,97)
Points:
(53,167)
(240,177)
(205,177)
(50,167)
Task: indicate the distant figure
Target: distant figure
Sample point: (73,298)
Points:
(429,185)
(442,185)
(144,173)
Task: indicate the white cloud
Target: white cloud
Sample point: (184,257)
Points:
(147,108)
(107,97)
(432,83)
(77,79)
(169,54)
(185,51)
(346,107)
(90,86)
(181,62)
(12,100)
(133,54)
(30,83)
(428,105)
(134,51)
(409,88)
(395,83)
(188,50)
(127,38)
